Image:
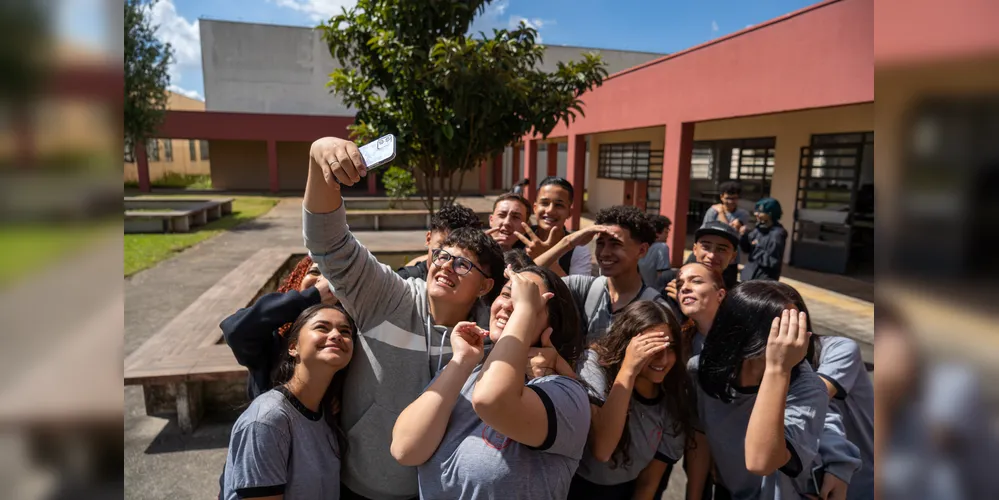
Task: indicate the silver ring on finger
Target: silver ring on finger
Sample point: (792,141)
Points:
(331,162)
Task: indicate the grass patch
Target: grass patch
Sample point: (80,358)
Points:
(143,251)
(26,249)
(174,180)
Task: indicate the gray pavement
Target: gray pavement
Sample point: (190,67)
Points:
(159,461)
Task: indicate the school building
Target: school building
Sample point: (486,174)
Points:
(785,107)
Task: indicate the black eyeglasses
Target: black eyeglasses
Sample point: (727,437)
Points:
(461,265)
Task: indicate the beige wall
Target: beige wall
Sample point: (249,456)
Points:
(792,130)
(603,193)
(182,163)
(240,165)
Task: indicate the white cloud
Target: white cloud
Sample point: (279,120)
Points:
(181,34)
(494,17)
(714,26)
(317,10)
(193,94)
(535,23)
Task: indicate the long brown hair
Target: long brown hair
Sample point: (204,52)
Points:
(285,369)
(676,387)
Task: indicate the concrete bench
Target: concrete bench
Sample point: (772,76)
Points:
(172,215)
(188,359)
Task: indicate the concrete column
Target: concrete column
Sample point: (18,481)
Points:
(531,168)
(676,185)
(498,171)
(515,169)
(552,168)
(372,183)
(576,173)
(272,166)
(142,165)
(483,176)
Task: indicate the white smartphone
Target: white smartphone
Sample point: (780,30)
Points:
(378,152)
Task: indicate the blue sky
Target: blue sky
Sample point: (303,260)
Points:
(649,25)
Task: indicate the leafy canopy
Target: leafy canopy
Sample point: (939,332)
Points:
(147,61)
(452,99)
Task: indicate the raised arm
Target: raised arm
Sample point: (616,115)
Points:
(609,419)
(766,447)
(573,240)
(249,332)
(500,397)
(369,291)
(421,426)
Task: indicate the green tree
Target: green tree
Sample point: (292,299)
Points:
(452,99)
(147,60)
(399,184)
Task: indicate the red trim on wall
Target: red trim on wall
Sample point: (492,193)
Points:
(217,125)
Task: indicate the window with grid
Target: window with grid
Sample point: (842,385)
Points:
(624,161)
(702,161)
(753,160)
(194,150)
(168,150)
(153,150)
(204,150)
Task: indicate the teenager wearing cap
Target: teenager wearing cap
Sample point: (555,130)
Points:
(765,243)
(715,245)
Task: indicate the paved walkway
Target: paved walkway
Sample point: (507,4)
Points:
(159,461)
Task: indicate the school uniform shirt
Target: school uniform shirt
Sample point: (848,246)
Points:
(653,431)
(725,426)
(474,461)
(280,447)
(652,266)
(841,364)
(594,304)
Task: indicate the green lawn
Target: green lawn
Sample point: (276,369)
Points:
(177,181)
(26,249)
(145,250)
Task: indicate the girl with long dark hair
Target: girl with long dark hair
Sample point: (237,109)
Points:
(289,442)
(760,404)
(641,405)
(479,430)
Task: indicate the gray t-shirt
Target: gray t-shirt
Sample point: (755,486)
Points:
(841,364)
(278,446)
(655,259)
(474,461)
(725,425)
(593,301)
(654,433)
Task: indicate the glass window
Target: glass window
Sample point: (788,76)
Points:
(168,150)
(204,150)
(153,150)
(194,150)
(625,161)
(129,154)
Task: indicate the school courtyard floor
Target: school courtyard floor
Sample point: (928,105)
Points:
(161,462)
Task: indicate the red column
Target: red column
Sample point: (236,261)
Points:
(515,169)
(142,165)
(372,183)
(676,185)
(576,173)
(498,171)
(552,159)
(530,168)
(272,166)
(483,176)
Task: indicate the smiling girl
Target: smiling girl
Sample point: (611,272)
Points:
(289,441)
(479,431)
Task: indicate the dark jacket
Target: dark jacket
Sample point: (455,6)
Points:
(419,270)
(252,334)
(765,246)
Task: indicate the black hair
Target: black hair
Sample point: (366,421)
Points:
(453,216)
(741,330)
(517,259)
(676,387)
(731,187)
(563,315)
(515,197)
(660,222)
(630,218)
(561,182)
(285,369)
(487,252)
